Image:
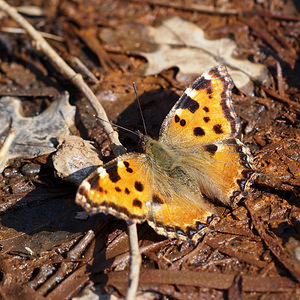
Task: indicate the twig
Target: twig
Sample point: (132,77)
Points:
(280,81)
(66,266)
(46,35)
(216,10)
(84,69)
(7,143)
(295,106)
(42,45)
(272,241)
(134,265)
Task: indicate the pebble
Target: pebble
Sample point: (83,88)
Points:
(31,169)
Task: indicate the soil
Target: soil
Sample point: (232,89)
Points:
(50,249)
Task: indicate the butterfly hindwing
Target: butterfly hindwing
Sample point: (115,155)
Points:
(178,215)
(228,170)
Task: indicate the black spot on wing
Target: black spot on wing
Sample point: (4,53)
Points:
(117,189)
(126,164)
(206,109)
(82,191)
(212,148)
(112,172)
(137,203)
(198,131)
(188,103)
(177,119)
(138,186)
(99,188)
(157,199)
(206,119)
(94,183)
(127,191)
(203,84)
(182,122)
(218,129)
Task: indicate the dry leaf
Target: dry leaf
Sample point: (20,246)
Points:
(182,44)
(198,54)
(35,135)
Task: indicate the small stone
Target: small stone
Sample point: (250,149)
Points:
(10,172)
(31,169)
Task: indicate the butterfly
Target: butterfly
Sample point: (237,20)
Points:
(198,160)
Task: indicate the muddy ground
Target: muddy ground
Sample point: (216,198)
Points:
(49,248)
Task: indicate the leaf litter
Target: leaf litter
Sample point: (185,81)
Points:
(35,136)
(179,43)
(253,251)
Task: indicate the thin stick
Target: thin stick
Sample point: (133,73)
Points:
(42,45)
(7,143)
(121,127)
(135,262)
(280,81)
(216,11)
(46,35)
(293,105)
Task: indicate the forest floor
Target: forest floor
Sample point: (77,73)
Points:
(50,249)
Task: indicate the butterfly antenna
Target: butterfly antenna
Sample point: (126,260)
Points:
(140,109)
(118,126)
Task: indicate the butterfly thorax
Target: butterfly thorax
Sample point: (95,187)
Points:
(159,153)
(167,164)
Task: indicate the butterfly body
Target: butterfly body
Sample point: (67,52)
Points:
(159,154)
(175,183)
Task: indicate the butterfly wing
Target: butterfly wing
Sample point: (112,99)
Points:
(178,212)
(122,188)
(202,127)
(131,188)
(204,113)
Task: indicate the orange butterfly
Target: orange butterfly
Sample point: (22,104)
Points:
(198,158)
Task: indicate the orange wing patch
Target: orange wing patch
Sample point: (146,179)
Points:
(121,188)
(204,114)
(177,218)
(231,171)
